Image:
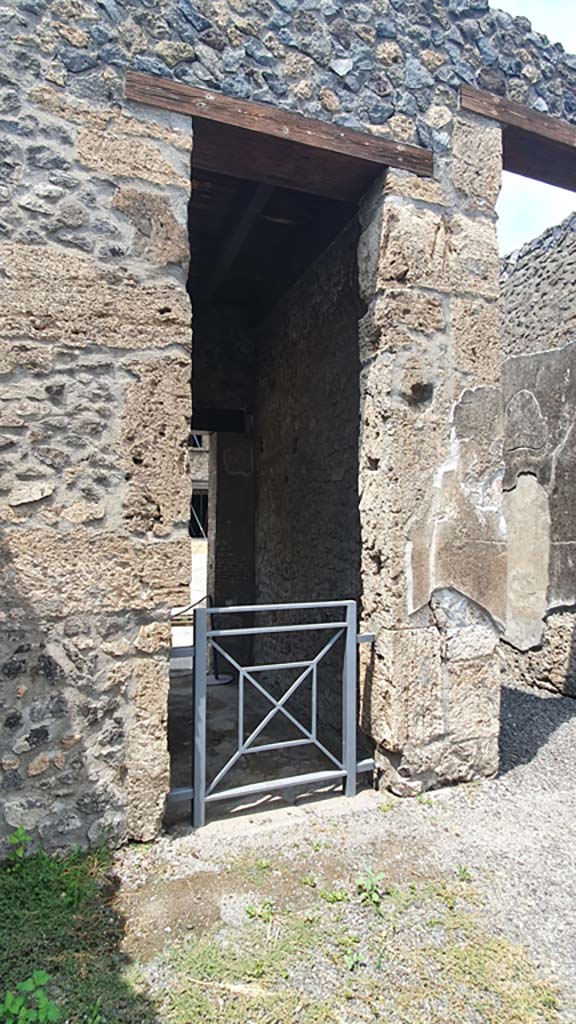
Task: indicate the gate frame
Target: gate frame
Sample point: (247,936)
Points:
(347,768)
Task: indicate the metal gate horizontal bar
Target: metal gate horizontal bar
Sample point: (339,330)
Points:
(182,793)
(282,664)
(235,609)
(275,629)
(279,745)
(271,785)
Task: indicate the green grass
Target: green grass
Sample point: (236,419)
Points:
(245,979)
(57,916)
(425,957)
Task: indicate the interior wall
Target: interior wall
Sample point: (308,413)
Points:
(224,380)
(307,535)
(307,524)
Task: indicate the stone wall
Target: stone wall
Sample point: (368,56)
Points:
(94,414)
(307,528)
(433,546)
(539,390)
(94,493)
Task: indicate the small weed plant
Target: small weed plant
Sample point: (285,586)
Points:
(18,842)
(30,1002)
(371,891)
(334,896)
(264,912)
(309,880)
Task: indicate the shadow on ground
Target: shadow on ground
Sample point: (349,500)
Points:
(527,721)
(65,922)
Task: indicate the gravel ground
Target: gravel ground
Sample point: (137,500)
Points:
(514,836)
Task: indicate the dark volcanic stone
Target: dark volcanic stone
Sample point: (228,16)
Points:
(190,12)
(13,720)
(11,779)
(49,667)
(36,737)
(78,60)
(42,156)
(57,706)
(14,667)
(492,80)
(10,159)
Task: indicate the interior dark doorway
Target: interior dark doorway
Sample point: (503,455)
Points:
(276,313)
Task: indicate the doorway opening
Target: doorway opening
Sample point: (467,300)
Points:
(276,305)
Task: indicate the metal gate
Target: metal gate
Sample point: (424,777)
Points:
(209,641)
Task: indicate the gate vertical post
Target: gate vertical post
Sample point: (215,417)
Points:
(199,780)
(349,702)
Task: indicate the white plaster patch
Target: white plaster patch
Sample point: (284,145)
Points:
(528,528)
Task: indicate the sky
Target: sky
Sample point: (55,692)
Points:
(526,208)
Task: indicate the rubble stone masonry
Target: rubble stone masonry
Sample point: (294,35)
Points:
(95,332)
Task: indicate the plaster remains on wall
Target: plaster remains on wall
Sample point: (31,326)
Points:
(514,553)
(539,397)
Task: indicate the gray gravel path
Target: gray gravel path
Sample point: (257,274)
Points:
(515,835)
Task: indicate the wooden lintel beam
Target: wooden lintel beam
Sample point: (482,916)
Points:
(236,238)
(535,157)
(536,145)
(214,420)
(263,120)
(509,112)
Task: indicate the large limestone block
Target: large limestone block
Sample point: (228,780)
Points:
(411,186)
(18,355)
(472,697)
(155,425)
(423,247)
(476,339)
(395,316)
(401,688)
(446,760)
(396,480)
(174,130)
(112,155)
(147,761)
(52,295)
(477,161)
(159,234)
(57,574)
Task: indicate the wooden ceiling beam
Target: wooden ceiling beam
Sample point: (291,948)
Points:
(268,121)
(232,245)
(535,145)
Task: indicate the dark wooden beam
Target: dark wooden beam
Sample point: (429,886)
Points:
(214,420)
(535,145)
(237,153)
(236,238)
(518,115)
(263,120)
(536,157)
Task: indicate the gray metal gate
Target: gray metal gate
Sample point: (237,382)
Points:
(207,639)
